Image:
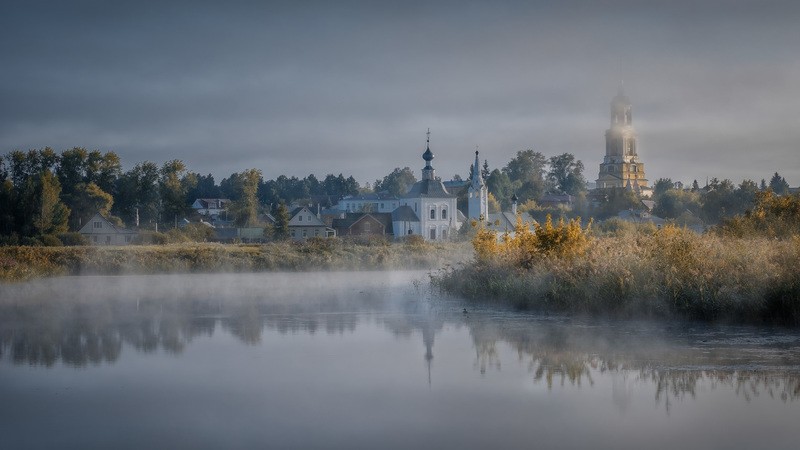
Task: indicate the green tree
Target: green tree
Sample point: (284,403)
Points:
(397,183)
(245,209)
(778,184)
(281,230)
(172,190)
(50,215)
(661,186)
(527,174)
(566,174)
(87,200)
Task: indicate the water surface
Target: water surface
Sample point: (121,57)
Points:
(370,360)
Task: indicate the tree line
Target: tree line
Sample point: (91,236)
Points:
(45,193)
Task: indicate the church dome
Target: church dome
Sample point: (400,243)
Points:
(428,155)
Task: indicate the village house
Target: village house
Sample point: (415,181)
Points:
(368,224)
(100,231)
(304,224)
(211,207)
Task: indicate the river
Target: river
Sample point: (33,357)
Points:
(371,360)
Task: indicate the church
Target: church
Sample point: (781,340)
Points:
(428,208)
(621,167)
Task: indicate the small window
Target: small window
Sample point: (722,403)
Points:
(444,214)
(433,233)
(304,233)
(299,218)
(433,213)
(127,238)
(410,231)
(98,224)
(382,206)
(294,234)
(316,232)
(309,218)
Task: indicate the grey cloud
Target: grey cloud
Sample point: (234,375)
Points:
(305,87)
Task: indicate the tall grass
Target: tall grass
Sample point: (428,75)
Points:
(646,272)
(23,263)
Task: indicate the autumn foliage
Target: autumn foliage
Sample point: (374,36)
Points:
(532,242)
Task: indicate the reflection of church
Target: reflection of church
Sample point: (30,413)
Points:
(621,167)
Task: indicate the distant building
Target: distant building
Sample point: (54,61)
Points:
(380,202)
(621,167)
(100,231)
(363,224)
(211,207)
(304,224)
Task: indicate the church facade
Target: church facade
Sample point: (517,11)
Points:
(427,209)
(621,166)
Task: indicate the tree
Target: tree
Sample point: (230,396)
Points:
(499,185)
(566,174)
(246,208)
(172,190)
(527,172)
(778,184)
(88,199)
(616,200)
(397,183)
(485,170)
(661,186)
(696,186)
(49,213)
(674,203)
(138,189)
(281,230)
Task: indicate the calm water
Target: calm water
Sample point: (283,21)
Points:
(370,360)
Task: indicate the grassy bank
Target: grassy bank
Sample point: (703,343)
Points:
(22,263)
(644,272)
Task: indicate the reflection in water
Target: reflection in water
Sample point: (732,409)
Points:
(87,321)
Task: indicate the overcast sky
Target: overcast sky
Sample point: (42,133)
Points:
(303,87)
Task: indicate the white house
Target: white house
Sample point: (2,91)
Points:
(380,202)
(305,224)
(210,206)
(100,231)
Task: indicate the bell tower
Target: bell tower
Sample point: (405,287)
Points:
(621,166)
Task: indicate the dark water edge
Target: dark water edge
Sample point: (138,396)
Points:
(371,359)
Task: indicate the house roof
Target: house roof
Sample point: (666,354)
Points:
(216,202)
(118,230)
(383,195)
(428,188)
(404,214)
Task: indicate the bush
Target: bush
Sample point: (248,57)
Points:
(49,240)
(73,238)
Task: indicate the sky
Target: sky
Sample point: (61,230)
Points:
(351,87)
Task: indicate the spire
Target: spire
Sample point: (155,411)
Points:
(476,177)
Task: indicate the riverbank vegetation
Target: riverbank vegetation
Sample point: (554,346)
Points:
(19,263)
(744,270)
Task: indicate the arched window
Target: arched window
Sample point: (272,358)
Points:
(444,213)
(433,213)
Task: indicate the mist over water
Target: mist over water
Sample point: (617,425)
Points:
(366,360)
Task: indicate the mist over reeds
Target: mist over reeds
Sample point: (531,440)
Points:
(23,263)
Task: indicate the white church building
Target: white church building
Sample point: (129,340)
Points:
(427,209)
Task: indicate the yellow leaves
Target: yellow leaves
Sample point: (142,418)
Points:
(526,245)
